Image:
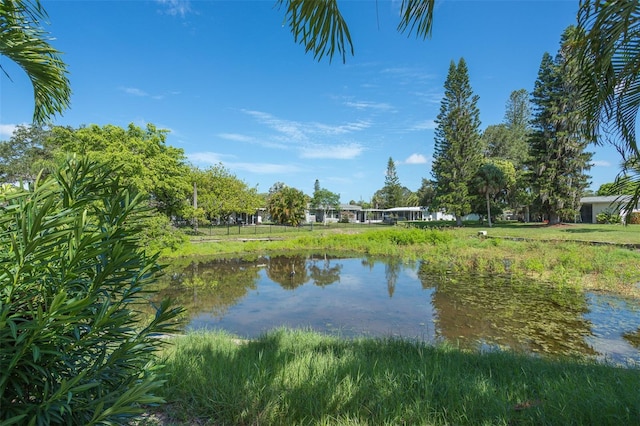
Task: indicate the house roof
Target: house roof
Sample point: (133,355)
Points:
(350,207)
(404,209)
(605,199)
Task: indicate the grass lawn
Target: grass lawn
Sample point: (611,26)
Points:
(302,378)
(615,234)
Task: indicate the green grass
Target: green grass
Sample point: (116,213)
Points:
(303,378)
(614,234)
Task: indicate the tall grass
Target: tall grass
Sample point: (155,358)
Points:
(297,377)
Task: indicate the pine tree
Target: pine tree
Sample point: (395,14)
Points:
(509,141)
(458,146)
(323,199)
(557,147)
(392,192)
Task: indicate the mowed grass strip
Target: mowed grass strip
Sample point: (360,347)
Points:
(303,378)
(599,233)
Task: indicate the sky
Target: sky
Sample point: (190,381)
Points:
(229,83)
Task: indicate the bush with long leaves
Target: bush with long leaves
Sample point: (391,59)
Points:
(74,348)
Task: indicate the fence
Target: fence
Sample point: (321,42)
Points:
(273,229)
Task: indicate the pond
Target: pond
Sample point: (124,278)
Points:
(361,296)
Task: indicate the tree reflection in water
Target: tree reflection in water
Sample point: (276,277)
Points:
(321,271)
(375,297)
(509,313)
(288,271)
(212,286)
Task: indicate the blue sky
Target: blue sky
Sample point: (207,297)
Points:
(227,80)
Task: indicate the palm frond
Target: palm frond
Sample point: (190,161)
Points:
(25,42)
(629,177)
(609,55)
(319,26)
(417,15)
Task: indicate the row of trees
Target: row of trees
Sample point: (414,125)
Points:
(142,160)
(533,160)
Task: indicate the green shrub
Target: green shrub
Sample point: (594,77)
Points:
(634,218)
(607,216)
(158,233)
(73,283)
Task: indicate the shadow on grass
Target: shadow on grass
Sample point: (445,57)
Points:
(294,377)
(586,231)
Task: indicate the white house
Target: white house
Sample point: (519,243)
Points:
(590,207)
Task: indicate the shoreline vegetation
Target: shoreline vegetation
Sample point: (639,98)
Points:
(301,377)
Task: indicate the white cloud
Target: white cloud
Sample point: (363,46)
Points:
(213,158)
(416,159)
(206,158)
(431,97)
(424,125)
(134,91)
(176,7)
(6,130)
(290,129)
(341,129)
(301,132)
(264,168)
(408,75)
(361,105)
(236,137)
(601,163)
(341,152)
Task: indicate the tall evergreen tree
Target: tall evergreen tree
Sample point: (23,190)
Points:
(426,193)
(518,112)
(557,145)
(323,199)
(392,191)
(458,146)
(508,141)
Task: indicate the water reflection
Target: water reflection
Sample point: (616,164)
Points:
(510,313)
(322,272)
(213,286)
(367,296)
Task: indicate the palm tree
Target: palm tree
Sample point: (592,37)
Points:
(25,42)
(287,206)
(489,181)
(608,48)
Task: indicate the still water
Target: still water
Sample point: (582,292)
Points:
(385,297)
